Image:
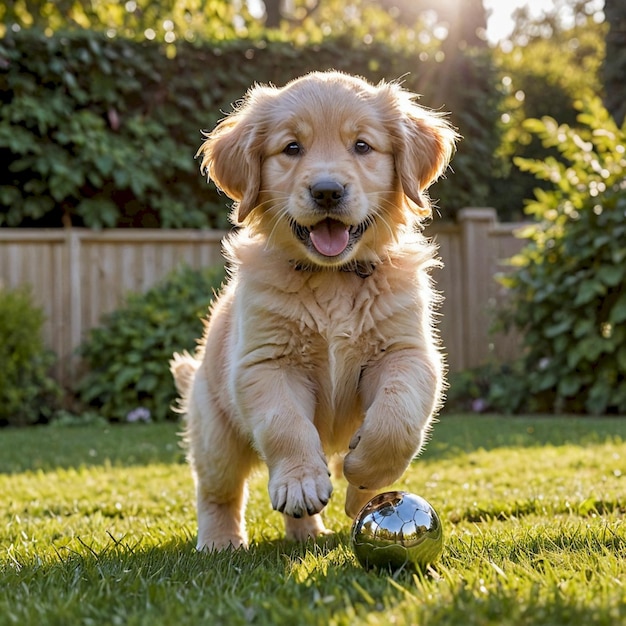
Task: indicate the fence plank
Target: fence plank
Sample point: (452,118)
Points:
(78,275)
(447,237)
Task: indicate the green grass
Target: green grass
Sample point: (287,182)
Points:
(97,526)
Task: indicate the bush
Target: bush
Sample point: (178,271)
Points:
(127,356)
(489,388)
(102,132)
(568,290)
(27,393)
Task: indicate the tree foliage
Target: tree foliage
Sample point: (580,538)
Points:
(300,21)
(614,67)
(557,17)
(542,75)
(163,20)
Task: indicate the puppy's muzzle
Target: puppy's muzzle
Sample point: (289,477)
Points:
(329,238)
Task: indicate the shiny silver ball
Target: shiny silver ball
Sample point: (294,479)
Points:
(397,529)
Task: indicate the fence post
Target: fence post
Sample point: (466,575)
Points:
(476,225)
(75,301)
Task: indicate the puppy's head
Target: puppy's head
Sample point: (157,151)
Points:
(329,168)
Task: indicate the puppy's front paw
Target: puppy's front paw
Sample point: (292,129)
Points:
(356,499)
(301,489)
(376,462)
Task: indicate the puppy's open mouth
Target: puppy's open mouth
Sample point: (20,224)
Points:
(330,238)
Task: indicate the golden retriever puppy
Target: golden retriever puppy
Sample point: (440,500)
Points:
(322,340)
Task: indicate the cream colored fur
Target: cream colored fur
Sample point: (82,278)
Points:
(303,355)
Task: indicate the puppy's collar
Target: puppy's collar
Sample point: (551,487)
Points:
(363,269)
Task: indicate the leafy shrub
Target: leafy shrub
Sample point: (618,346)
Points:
(568,290)
(27,393)
(101,132)
(493,387)
(468,390)
(127,356)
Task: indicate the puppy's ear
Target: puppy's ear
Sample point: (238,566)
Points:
(425,145)
(231,157)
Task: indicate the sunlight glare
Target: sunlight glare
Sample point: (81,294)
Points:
(500,15)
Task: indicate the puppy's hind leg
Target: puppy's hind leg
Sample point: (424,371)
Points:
(221,493)
(221,522)
(221,461)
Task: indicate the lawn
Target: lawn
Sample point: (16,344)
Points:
(97,526)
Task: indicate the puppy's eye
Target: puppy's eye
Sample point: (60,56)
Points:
(361,147)
(292,149)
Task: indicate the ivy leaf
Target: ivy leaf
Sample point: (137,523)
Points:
(618,312)
(569,386)
(588,291)
(610,275)
(558,329)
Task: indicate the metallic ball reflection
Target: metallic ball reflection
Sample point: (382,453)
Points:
(397,529)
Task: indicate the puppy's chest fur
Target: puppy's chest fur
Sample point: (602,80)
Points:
(330,326)
(334,328)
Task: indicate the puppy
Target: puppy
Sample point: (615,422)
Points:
(322,340)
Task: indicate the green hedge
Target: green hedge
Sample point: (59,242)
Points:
(102,132)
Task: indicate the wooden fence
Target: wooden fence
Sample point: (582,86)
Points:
(77,275)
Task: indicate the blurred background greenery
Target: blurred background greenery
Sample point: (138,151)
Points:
(103,102)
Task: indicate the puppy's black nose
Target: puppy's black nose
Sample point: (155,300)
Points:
(327,193)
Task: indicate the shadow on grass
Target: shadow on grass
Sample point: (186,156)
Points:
(47,448)
(274,582)
(459,434)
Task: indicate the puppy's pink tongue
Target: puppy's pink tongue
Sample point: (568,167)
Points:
(330,237)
